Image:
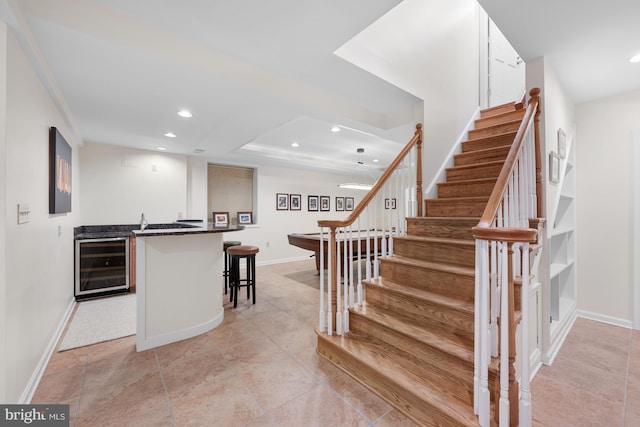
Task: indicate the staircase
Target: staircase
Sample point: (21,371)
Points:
(412,341)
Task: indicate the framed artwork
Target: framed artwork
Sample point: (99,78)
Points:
(325,203)
(554,167)
(245,218)
(221,219)
(348,203)
(295,202)
(339,203)
(562,144)
(390,203)
(312,203)
(59,173)
(282,201)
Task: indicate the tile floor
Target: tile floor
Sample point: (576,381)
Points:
(259,368)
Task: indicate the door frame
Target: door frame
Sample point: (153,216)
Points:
(635,150)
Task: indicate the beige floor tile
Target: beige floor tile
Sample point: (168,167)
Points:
(276,382)
(361,398)
(260,368)
(557,403)
(228,403)
(319,407)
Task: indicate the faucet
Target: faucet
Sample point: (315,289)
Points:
(143,222)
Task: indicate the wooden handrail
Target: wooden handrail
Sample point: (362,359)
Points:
(415,140)
(503,181)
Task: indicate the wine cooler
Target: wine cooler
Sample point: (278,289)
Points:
(101,266)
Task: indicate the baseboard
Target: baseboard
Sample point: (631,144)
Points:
(615,321)
(281,261)
(548,358)
(32,385)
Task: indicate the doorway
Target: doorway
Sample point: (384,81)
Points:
(502,71)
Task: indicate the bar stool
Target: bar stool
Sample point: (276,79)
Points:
(227,261)
(235,283)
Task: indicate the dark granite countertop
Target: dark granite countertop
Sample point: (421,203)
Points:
(128,230)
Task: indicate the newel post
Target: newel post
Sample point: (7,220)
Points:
(535,97)
(419,168)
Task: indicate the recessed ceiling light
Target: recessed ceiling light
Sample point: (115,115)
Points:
(335,129)
(634,59)
(375,160)
(170,135)
(295,144)
(185,113)
(162,148)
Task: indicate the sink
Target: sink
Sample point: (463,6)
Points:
(169,225)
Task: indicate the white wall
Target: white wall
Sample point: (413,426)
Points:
(270,234)
(119,184)
(38,262)
(605,204)
(557,112)
(3,210)
(435,56)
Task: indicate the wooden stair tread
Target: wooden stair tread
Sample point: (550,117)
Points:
(447,268)
(424,335)
(468,181)
(475,165)
(468,198)
(484,151)
(417,293)
(485,139)
(376,355)
(437,240)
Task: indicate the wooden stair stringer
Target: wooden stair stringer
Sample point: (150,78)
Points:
(401,388)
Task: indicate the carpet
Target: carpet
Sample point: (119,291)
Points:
(101,320)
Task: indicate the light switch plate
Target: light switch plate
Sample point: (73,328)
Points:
(23,213)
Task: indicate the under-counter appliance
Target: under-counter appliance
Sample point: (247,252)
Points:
(101,266)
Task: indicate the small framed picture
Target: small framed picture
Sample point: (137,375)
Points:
(554,167)
(390,203)
(220,219)
(312,203)
(245,218)
(325,203)
(348,203)
(339,203)
(562,143)
(282,201)
(295,202)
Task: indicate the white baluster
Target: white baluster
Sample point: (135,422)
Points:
(525,390)
(348,273)
(351,274)
(368,262)
(484,397)
(322,325)
(504,338)
(329,285)
(360,264)
(495,299)
(338,286)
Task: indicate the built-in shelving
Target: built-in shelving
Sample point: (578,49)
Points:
(562,252)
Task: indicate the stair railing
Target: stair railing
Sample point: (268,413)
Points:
(378,218)
(503,236)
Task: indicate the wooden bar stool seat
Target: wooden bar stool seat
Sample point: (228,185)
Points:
(235,281)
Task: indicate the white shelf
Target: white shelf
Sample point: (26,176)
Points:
(557,268)
(561,289)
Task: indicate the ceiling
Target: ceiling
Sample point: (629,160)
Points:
(259,76)
(587,43)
